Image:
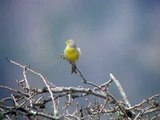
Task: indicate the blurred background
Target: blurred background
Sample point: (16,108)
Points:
(118,37)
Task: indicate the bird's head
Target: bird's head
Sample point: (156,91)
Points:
(70,43)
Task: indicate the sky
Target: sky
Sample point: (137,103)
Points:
(118,37)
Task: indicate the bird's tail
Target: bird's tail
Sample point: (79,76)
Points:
(74,68)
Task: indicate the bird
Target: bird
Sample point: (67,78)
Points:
(72,54)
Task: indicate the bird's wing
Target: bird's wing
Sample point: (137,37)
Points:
(79,50)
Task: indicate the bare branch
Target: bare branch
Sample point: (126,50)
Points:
(120,89)
(97,101)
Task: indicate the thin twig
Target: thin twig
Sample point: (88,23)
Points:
(27,84)
(44,80)
(144,101)
(81,75)
(14,90)
(120,89)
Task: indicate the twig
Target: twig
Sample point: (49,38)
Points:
(81,75)
(145,101)
(23,100)
(27,84)
(44,80)
(104,85)
(120,89)
(14,99)
(84,80)
(14,90)
(5,115)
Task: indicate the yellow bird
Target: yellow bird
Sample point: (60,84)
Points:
(71,54)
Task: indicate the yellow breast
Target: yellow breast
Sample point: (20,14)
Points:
(71,54)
